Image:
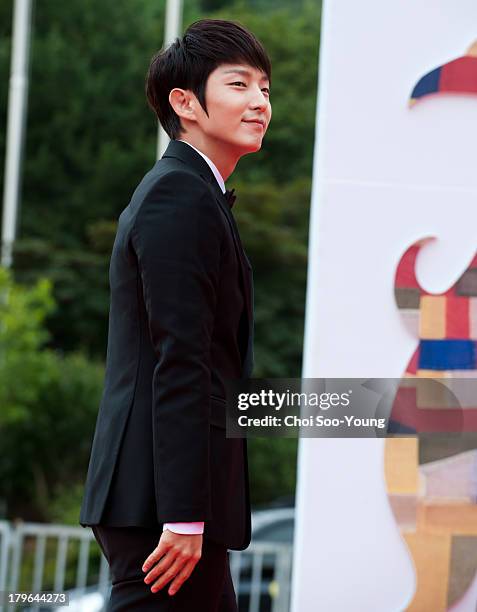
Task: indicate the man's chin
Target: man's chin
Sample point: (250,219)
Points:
(252,147)
(246,146)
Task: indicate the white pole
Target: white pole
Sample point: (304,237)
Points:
(171,32)
(17,105)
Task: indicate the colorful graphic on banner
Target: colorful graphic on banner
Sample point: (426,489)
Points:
(432,478)
(384,176)
(457,76)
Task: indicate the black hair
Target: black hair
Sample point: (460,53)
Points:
(188,62)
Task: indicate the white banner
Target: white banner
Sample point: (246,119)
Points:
(386,174)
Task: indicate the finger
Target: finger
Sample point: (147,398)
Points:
(168,575)
(163,565)
(156,554)
(181,577)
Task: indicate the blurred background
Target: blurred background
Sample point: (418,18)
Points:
(89,139)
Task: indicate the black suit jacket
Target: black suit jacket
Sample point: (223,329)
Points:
(180,323)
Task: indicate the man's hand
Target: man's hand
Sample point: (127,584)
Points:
(175,556)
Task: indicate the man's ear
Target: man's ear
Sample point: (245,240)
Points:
(183,103)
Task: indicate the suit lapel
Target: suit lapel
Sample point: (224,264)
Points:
(189,156)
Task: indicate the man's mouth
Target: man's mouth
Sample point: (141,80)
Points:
(258,122)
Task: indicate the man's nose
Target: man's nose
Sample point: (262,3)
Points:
(259,99)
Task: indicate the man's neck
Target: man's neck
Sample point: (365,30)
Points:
(224,162)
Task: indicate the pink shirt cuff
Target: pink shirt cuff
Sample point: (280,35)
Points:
(193,528)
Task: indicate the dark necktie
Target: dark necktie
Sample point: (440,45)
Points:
(230,197)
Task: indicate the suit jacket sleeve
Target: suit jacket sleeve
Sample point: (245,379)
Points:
(177,237)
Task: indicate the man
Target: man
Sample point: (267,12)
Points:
(166,492)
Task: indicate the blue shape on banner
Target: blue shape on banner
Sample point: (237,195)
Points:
(447,355)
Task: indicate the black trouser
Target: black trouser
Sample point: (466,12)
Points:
(208,589)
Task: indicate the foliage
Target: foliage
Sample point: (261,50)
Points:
(275,220)
(48,404)
(80,278)
(22,366)
(272,467)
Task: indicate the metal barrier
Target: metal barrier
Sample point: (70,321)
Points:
(13,543)
(261,574)
(263,592)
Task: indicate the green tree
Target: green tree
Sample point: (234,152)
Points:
(48,404)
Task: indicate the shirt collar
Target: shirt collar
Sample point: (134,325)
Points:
(213,167)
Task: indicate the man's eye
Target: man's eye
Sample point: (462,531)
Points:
(242,83)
